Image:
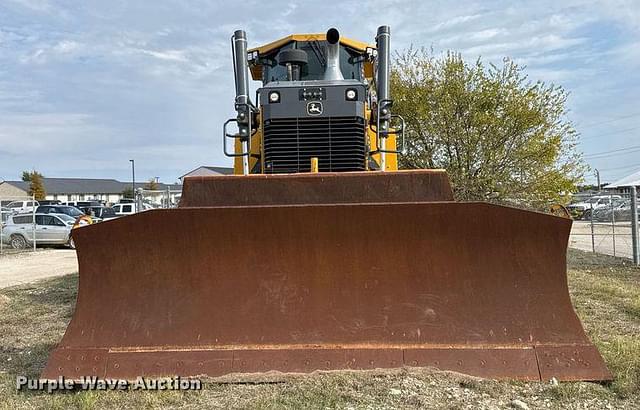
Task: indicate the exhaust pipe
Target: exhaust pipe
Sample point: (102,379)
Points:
(332,70)
(382,43)
(382,91)
(242,103)
(241,66)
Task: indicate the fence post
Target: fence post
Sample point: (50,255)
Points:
(593,238)
(634,226)
(1,226)
(613,224)
(33,222)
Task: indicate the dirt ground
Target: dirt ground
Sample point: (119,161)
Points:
(605,291)
(28,266)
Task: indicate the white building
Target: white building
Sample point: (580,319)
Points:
(206,171)
(84,189)
(622,185)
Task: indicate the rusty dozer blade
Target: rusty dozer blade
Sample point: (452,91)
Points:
(227,286)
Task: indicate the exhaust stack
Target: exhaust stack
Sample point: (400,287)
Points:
(382,91)
(332,70)
(242,103)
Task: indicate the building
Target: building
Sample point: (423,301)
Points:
(623,184)
(84,189)
(206,171)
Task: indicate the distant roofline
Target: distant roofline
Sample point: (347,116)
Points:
(110,186)
(220,170)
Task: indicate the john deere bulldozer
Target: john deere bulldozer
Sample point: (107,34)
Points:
(319,254)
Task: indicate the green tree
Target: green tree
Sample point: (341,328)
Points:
(127,192)
(36,186)
(498,135)
(151,185)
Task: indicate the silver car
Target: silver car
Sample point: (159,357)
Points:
(50,229)
(5,213)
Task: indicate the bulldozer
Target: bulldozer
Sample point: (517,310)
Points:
(318,253)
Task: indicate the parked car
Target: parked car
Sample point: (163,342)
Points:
(124,209)
(582,210)
(19,207)
(60,209)
(102,213)
(620,212)
(82,205)
(50,229)
(50,202)
(5,213)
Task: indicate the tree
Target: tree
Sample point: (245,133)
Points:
(127,192)
(498,135)
(151,185)
(36,186)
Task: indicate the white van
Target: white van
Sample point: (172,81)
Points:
(20,207)
(124,209)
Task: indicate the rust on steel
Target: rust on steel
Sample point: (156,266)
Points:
(320,188)
(471,287)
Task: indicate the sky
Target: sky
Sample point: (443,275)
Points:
(87,85)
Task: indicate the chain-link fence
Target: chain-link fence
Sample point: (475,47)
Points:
(152,199)
(604,223)
(18,230)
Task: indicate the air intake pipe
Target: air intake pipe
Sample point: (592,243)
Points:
(332,69)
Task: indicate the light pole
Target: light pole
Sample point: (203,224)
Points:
(133,183)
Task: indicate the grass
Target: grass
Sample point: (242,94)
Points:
(606,293)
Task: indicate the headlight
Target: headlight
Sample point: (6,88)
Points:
(274,97)
(351,94)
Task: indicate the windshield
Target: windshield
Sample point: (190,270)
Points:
(66,218)
(350,62)
(73,211)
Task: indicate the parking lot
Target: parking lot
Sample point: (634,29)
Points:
(609,239)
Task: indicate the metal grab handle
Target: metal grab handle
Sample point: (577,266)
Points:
(249,111)
(384,134)
(226,135)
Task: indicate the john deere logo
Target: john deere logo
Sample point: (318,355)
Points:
(314,108)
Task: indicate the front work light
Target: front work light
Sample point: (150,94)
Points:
(351,94)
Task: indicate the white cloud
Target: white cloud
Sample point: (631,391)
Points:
(169,55)
(454,22)
(159,74)
(66,46)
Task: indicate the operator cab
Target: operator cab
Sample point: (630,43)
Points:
(318,102)
(307,59)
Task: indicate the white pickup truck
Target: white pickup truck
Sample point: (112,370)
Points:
(583,209)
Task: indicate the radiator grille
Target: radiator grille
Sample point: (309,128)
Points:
(337,142)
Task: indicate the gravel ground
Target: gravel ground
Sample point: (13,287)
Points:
(28,266)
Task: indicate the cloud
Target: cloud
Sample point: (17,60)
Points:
(154,80)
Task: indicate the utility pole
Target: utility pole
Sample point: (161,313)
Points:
(133,183)
(634,227)
(598,177)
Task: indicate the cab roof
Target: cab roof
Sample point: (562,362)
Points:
(256,69)
(274,45)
